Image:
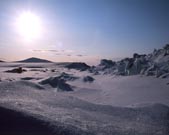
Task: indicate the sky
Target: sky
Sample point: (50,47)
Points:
(84,30)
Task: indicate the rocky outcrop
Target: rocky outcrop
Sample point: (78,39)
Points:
(57,82)
(88,79)
(107,63)
(78,66)
(154,64)
(67,77)
(16,70)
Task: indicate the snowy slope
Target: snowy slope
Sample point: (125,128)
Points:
(106,106)
(64,114)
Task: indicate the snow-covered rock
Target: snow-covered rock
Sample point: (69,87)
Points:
(78,66)
(67,77)
(153,64)
(166,75)
(57,82)
(16,70)
(107,63)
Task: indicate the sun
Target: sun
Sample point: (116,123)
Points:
(28,25)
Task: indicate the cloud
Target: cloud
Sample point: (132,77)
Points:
(69,51)
(57,54)
(53,50)
(63,52)
(39,50)
(79,55)
(2,59)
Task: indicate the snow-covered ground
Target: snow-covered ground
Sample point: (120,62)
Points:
(100,105)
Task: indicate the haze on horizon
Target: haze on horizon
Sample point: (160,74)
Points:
(82,30)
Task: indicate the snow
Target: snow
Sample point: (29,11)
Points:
(127,97)
(109,105)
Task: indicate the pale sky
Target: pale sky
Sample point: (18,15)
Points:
(82,30)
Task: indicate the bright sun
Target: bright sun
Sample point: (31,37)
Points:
(29,25)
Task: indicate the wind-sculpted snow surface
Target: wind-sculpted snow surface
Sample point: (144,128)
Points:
(154,64)
(28,109)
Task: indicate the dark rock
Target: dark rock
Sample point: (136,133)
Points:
(16,70)
(88,79)
(67,77)
(135,55)
(166,75)
(107,63)
(53,70)
(58,83)
(129,62)
(166,47)
(27,78)
(78,66)
(150,73)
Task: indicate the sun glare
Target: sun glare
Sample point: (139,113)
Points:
(29,25)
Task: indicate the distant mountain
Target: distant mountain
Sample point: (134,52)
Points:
(34,60)
(2,61)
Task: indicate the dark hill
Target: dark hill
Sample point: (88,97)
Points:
(34,60)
